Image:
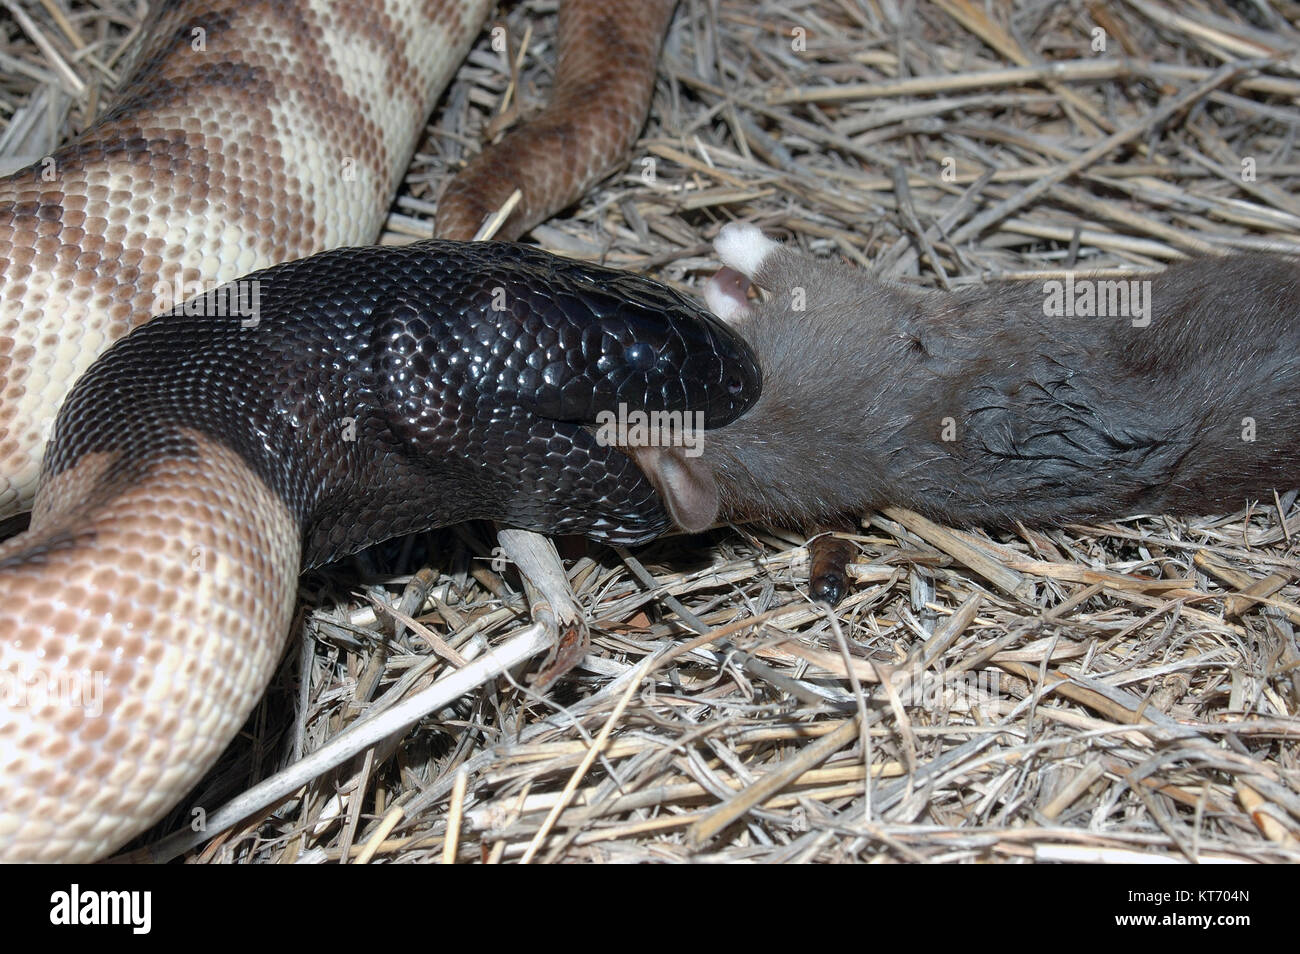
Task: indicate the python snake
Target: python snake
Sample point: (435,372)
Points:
(207,457)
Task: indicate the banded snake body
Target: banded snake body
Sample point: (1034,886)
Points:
(197,466)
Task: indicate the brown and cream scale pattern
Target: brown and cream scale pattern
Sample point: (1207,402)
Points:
(101,734)
(249,133)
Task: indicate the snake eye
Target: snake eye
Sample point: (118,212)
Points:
(640,356)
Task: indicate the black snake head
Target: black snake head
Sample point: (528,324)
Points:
(569,341)
(487,330)
(632,346)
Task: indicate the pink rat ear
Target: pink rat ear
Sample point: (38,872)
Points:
(686,485)
(743,249)
(725,295)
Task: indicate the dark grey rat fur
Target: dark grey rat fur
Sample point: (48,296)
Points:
(978,409)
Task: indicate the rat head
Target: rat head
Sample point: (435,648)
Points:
(806,449)
(688,483)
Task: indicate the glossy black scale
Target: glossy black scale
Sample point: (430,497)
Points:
(381,391)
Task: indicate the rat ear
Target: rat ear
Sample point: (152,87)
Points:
(686,484)
(725,295)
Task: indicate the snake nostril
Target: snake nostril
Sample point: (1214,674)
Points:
(735,383)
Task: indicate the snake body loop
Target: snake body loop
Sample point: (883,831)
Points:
(213,451)
(369,392)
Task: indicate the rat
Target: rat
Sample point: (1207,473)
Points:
(1038,403)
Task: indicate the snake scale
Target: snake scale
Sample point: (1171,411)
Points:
(210,454)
